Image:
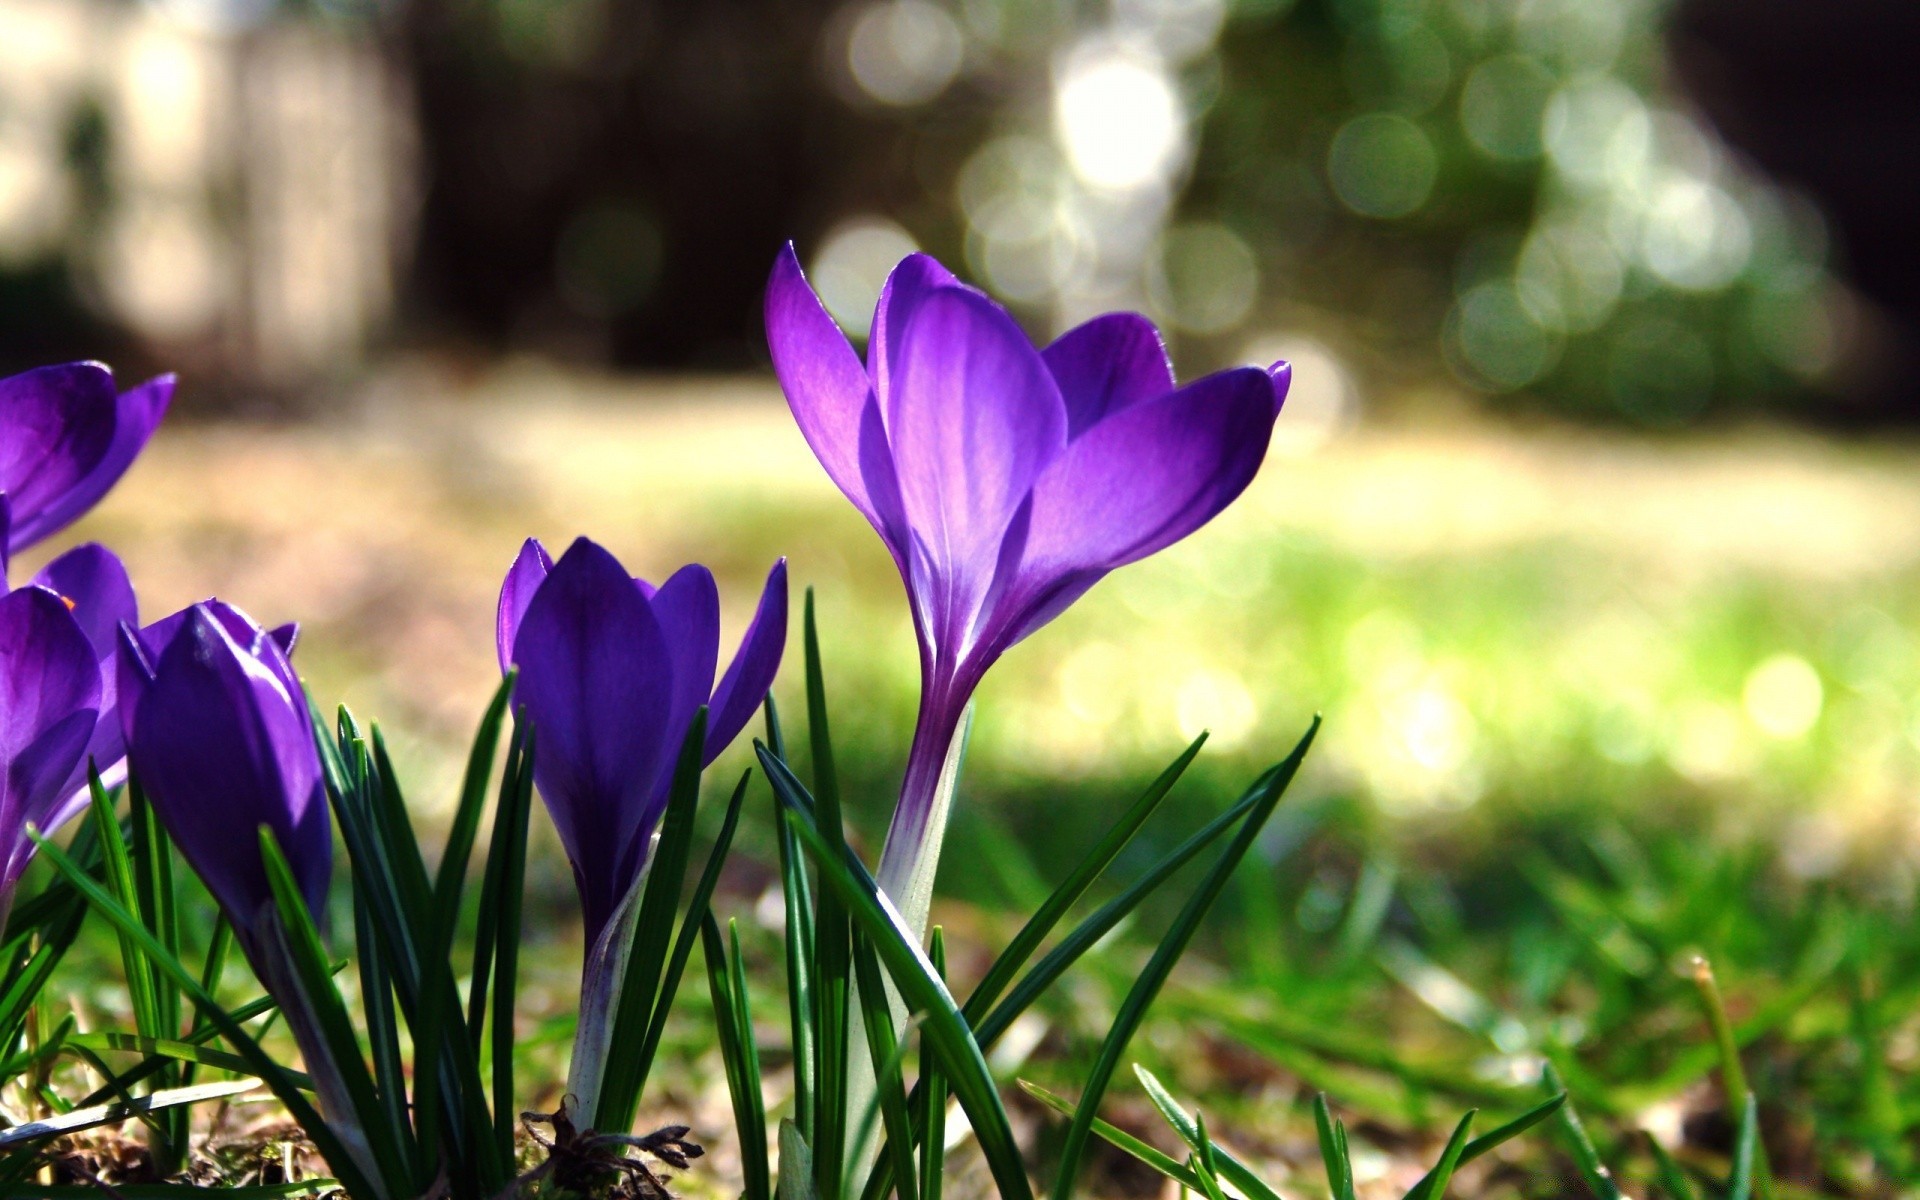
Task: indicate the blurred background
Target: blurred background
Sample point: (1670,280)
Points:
(1592,523)
(1595,486)
(1627,209)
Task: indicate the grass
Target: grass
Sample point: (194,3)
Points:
(1594,707)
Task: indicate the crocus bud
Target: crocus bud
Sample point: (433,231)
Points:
(220,738)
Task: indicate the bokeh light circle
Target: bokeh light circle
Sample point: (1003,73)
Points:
(1382,165)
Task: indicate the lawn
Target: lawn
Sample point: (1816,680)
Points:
(1594,705)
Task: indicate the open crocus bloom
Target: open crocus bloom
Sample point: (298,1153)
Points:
(612,671)
(1005,480)
(66,437)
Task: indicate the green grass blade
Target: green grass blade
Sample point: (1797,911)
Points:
(1672,1179)
(1188,1128)
(306,958)
(1089,932)
(932,1094)
(653,929)
(260,1063)
(1433,1185)
(959,1055)
(876,1014)
(1333,1149)
(697,909)
(517,811)
(1746,1152)
(799,948)
(733,1022)
(1585,1157)
(179,1051)
(1133,1010)
(1006,966)
(832,969)
(1165,1164)
(1202,1162)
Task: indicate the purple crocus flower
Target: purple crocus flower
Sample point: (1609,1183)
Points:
(94,595)
(66,437)
(612,671)
(49,705)
(612,674)
(1005,480)
(220,737)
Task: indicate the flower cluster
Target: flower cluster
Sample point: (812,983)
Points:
(1005,480)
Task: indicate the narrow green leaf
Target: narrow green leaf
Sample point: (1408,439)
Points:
(1746,1152)
(1188,1128)
(1333,1149)
(1006,966)
(832,969)
(1167,1165)
(733,1022)
(876,1014)
(1433,1186)
(179,1051)
(697,909)
(1133,1010)
(324,1006)
(958,1054)
(1673,1180)
(653,929)
(277,1078)
(932,1093)
(1585,1157)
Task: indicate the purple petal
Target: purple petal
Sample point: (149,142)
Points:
(595,675)
(1108,364)
(56,427)
(688,609)
(49,701)
(137,414)
(910,282)
(974,417)
(286,637)
(6,535)
(222,746)
(524,577)
(1151,474)
(824,383)
(95,582)
(754,665)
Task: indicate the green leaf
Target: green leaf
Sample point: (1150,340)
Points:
(1746,1152)
(1333,1149)
(1007,964)
(796,1165)
(1673,1180)
(1168,1166)
(641,993)
(932,1094)
(111,1114)
(876,1015)
(261,1063)
(1433,1186)
(320,1003)
(832,969)
(1232,1169)
(1133,1010)
(959,1055)
(733,1022)
(177,1050)
(797,895)
(1585,1158)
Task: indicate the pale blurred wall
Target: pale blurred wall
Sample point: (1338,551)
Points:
(236,196)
